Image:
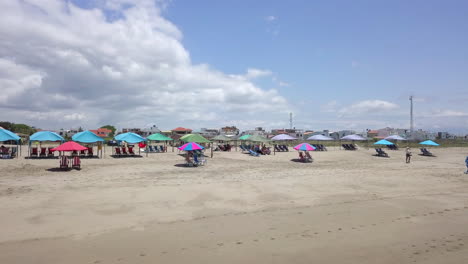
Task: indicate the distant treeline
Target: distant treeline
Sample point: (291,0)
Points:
(18,128)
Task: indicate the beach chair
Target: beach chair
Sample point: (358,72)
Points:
(286,148)
(130,151)
(221,148)
(63,162)
(253,153)
(90,152)
(50,153)
(43,152)
(82,153)
(124,151)
(150,149)
(426,152)
(34,152)
(308,157)
(74,153)
(118,153)
(13,153)
(76,163)
(199,160)
(323,147)
(381,153)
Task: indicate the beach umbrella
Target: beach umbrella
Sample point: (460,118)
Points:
(46,136)
(283,137)
(190,146)
(383,142)
(353,137)
(429,143)
(258,138)
(319,138)
(394,137)
(221,138)
(69,146)
(304,147)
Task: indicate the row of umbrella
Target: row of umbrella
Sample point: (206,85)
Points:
(386,142)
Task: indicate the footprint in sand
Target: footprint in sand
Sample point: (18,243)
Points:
(239,243)
(142,254)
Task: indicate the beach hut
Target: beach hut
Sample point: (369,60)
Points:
(5,136)
(89,137)
(159,138)
(44,136)
(131,138)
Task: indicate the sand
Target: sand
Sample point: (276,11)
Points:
(346,207)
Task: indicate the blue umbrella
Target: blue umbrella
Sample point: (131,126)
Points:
(383,142)
(86,137)
(6,135)
(130,137)
(429,143)
(45,136)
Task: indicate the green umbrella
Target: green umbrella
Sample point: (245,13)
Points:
(197,138)
(258,138)
(159,137)
(221,138)
(245,137)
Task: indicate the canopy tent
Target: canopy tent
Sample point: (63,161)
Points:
(258,138)
(7,135)
(221,138)
(395,137)
(89,137)
(304,147)
(244,137)
(319,138)
(130,137)
(383,142)
(429,143)
(283,137)
(45,136)
(353,137)
(159,137)
(197,138)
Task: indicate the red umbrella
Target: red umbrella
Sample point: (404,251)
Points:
(70,146)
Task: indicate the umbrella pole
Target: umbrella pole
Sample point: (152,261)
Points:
(211,147)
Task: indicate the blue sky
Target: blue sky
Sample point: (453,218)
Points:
(334,64)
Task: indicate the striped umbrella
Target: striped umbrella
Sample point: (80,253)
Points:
(304,147)
(190,146)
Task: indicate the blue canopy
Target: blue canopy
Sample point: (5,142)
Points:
(6,135)
(45,136)
(130,138)
(87,137)
(383,142)
(429,143)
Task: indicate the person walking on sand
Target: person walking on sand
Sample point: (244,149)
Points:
(466,163)
(408,155)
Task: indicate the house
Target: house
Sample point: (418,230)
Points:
(181,131)
(145,132)
(209,132)
(297,133)
(102,132)
(372,133)
(257,131)
(229,131)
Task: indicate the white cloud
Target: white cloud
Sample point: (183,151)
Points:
(369,106)
(449,113)
(270,18)
(60,64)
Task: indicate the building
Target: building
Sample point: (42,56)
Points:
(145,132)
(102,132)
(339,134)
(68,132)
(229,131)
(445,135)
(209,132)
(297,133)
(372,133)
(181,131)
(257,131)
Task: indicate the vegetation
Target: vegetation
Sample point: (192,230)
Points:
(110,127)
(18,128)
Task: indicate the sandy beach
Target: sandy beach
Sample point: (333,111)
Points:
(346,207)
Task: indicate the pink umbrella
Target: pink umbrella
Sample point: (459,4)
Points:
(69,146)
(304,147)
(190,146)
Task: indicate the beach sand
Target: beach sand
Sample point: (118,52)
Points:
(346,207)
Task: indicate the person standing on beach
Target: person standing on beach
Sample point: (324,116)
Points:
(466,163)
(408,155)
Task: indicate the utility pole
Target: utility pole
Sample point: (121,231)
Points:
(411,117)
(290,121)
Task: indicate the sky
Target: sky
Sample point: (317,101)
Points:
(208,63)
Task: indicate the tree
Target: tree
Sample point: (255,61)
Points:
(110,128)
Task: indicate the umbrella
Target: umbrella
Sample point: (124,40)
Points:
(6,135)
(319,137)
(353,137)
(130,137)
(190,146)
(383,142)
(395,137)
(245,137)
(70,146)
(304,147)
(222,138)
(87,137)
(45,136)
(194,138)
(258,138)
(283,137)
(429,143)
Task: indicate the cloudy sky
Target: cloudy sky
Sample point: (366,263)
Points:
(209,63)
